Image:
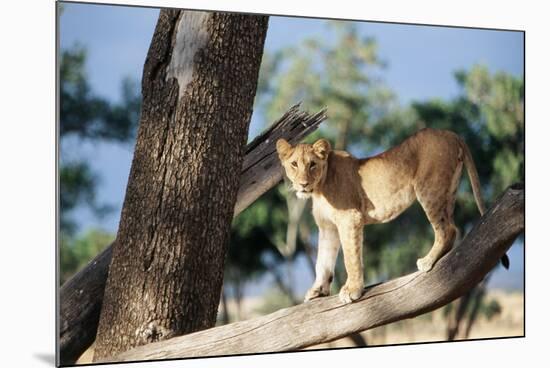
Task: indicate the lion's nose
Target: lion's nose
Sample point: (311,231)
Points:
(304,183)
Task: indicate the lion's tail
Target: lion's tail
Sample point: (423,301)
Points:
(474,177)
(476,188)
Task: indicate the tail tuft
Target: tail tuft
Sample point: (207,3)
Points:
(505,261)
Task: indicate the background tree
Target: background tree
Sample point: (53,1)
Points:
(86,117)
(199,82)
(78,250)
(253,251)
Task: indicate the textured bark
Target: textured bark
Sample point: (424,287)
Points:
(81,296)
(166,273)
(327,319)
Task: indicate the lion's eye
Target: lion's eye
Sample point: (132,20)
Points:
(312,165)
(294,164)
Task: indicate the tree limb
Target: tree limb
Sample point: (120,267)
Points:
(82,295)
(326,319)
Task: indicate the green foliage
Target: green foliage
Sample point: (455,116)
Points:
(86,116)
(76,185)
(254,234)
(75,252)
(90,116)
(338,71)
(499,98)
(398,257)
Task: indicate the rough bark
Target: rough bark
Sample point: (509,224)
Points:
(326,319)
(82,295)
(166,272)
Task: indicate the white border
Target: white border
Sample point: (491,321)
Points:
(28,159)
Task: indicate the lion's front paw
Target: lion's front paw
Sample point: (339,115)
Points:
(424,264)
(350,293)
(316,292)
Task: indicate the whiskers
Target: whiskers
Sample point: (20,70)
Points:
(288,185)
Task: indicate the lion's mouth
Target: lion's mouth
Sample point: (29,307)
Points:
(304,193)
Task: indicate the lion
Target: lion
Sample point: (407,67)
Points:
(348,193)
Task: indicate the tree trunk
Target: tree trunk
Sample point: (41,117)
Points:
(357,339)
(284,288)
(461,321)
(309,248)
(225,311)
(457,314)
(166,273)
(481,291)
(237,290)
(82,295)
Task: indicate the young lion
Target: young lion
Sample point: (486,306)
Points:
(349,193)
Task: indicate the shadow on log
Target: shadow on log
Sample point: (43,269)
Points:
(80,298)
(326,319)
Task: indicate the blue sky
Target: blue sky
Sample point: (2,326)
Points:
(421,61)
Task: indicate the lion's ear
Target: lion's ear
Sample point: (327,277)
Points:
(322,148)
(284,149)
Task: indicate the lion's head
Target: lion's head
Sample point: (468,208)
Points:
(305,164)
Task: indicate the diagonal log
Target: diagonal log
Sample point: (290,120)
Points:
(326,319)
(80,298)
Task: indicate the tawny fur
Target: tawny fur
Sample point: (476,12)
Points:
(349,193)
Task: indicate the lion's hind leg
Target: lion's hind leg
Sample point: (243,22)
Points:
(438,203)
(445,233)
